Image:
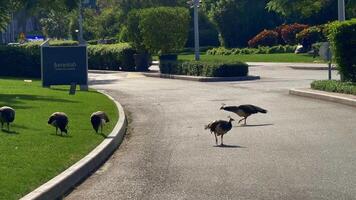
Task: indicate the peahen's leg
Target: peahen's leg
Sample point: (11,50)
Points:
(216,139)
(222,141)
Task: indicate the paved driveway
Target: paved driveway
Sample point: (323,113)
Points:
(301,149)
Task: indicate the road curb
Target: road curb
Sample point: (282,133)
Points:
(68,179)
(200,79)
(327,96)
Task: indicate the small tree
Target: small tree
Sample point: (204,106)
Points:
(134,34)
(55,25)
(164,29)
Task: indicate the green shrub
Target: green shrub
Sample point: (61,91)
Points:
(111,57)
(335,86)
(264,38)
(164,29)
(289,32)
(25,60)
(134,34)
(206,69)
(342,36)
(309,36)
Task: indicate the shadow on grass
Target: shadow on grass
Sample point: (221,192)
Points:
(13,99)
(10,132)
(67,90)
(229,146)
(61,135)
(24,127)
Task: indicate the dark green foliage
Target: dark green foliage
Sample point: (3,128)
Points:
(335,86)
(111,57)
(164,29)
(55,25)
(265,38)
(310,11)
(259,50)
(206,69)
(23,62)
(208,34)
(342,36)
(134,34)
(239,21)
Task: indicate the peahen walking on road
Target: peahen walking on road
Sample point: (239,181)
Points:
(243,110)
(220,128)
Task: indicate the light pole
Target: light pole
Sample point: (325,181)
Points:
(195,5)
(341,10)
(81,41)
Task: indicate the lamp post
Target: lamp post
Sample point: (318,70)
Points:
(341,10)
(80,38)
(195,5)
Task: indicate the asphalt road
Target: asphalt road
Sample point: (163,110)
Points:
(301,149)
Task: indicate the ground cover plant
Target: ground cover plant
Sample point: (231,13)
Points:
(335,86)
(283,57)
(31,153)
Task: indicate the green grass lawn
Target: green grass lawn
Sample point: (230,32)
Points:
(32,153)
(278,57)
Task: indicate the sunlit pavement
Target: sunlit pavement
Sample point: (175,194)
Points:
(302,149)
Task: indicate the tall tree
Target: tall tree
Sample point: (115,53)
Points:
(310,11)
(239,20)
(127,5)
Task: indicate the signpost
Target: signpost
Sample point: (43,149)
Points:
(64,65)
(195,5)
(325,53)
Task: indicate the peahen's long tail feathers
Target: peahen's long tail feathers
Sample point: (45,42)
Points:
(261,110)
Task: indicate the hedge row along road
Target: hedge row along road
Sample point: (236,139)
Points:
(301,149)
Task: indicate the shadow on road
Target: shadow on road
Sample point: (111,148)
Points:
(229,146)
(254,125)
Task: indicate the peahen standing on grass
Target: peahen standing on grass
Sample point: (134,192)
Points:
(220,128)
(98,119)
(243,110)
(7,115)
(60,121)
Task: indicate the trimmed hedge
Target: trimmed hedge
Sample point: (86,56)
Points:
(335,86)
(25,60)
(342,36)
(259,50)
(206,69)
(111,57)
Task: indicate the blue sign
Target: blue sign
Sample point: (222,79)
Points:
(33,38)
(64,65)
